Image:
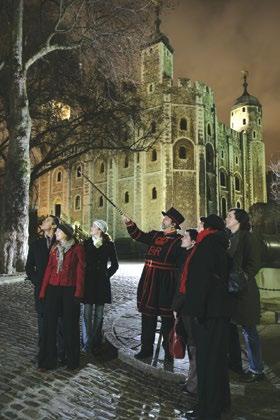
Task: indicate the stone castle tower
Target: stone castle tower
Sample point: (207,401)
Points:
(197,165)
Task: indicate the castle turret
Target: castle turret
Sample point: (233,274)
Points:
(246,117)
(156,58)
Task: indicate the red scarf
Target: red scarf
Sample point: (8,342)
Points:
(184,276)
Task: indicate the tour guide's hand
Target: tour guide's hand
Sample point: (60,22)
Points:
(126,220)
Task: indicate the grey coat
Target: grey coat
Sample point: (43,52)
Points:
(244,251)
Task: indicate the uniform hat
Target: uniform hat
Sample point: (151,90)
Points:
(175,216)
(215,222)
(66,228)
(101,224)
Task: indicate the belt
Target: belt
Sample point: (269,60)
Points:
(159,265)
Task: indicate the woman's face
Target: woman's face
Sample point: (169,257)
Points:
(231,223)
(186,241)
(200,226)
(95,231)
(60,235)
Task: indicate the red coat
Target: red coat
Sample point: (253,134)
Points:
(72,273)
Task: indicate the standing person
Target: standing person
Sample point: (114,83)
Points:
(37,260)
(99,250)
(204,285)
(157,284)
(62,288)
(244,253)
(190,386)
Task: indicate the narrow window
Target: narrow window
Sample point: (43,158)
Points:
(59,176)
(209,130)
(79,171)
(224,207)
(182,152)
(244,121)
(126,161)
(237,183)
(57,210)
(102,168)
(243,109)
(223,179)
(236,160)
(153,127)
(138,157)
(111,163)
(238,205)
(126,197)
(154,193)
(222,154)
(101,202)
(154,155)
(254,134)
(183,124)
(78,202)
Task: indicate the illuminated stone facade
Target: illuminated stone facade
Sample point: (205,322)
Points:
(198,164)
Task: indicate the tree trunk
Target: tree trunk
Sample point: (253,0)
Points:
(14,222)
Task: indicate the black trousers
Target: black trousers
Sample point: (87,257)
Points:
(60,301)
(149,325)
(211,337)
(234,351)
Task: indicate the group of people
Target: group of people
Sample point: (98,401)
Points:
(184,276)
(187,277)
(68,275)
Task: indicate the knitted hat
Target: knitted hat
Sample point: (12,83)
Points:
(101,224)
(66,228)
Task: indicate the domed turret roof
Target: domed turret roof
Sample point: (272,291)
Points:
(246,98)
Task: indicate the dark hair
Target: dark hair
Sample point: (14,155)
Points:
(106,237)
(202,219)
(193,234)
(55,219)
(242,217)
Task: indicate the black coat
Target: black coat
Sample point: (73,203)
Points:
(206,293)
(37,260)
(245,253)
(97,274)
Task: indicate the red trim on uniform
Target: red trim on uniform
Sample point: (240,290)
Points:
(171,246)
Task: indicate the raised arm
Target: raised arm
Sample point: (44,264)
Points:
(137,234)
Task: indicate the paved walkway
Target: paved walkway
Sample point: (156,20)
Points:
(105,387)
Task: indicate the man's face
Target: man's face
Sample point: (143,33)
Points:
(186,241)
(47,224)
(200,226)
(231,222)
(166,222)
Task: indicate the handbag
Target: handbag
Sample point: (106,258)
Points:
(238,281)
(177,346)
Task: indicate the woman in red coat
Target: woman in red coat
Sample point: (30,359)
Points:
(62,288)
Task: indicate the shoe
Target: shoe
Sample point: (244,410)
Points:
(143,354)
(249,377)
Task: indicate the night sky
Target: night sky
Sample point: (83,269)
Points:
(215,39)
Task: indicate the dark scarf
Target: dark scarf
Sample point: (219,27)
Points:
(184,276)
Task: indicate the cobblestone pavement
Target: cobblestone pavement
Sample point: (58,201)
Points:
(104,387)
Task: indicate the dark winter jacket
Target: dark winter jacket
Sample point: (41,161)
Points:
(72,273)
(245,254)
(37,260)
(97,277)
(207,284)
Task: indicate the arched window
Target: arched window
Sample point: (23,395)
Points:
(209,129)
(154,155)
(78,202)
(111,163)
(222,154)
(254,134)
(101,202)
(238,205)
(138,157)
(224,207)
(102,168)
(243,109)
(183,124)
(59,176)
(209,157)
(154,193)
(182,152)
(223,179)
(153,127)
(126,161)
(244,121)
(236,160)
(126,197)
(78,171)
(237,183)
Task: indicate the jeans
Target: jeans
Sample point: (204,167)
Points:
(253,346)
(92,325)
